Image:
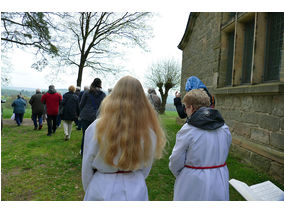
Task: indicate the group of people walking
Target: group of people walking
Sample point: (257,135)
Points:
(121,145)
(122,137)
(72,106)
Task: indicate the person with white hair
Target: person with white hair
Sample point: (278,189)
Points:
(154,99)
(37,109)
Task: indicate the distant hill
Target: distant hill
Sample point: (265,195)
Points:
(27,92)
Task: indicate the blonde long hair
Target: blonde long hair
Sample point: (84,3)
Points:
(126,117)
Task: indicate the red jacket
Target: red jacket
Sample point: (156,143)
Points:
(52,101)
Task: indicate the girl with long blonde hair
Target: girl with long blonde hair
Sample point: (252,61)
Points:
(121,144)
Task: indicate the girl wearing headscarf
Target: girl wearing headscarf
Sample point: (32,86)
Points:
(192,83)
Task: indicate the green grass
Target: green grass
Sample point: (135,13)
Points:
(7,113)
(37,167)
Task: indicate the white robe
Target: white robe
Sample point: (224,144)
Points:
(114,186)
(201,148)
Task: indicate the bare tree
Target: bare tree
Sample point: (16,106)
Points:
(96,39)
(165,75)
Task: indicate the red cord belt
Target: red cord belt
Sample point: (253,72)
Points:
(123,172)
(119,171)
(205,167)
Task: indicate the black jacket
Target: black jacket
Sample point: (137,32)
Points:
(90,104)
(180,108)
(206,118)
(70,104)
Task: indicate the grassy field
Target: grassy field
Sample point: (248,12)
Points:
(37,167)
(7,113)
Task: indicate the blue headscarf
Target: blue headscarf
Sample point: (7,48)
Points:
(194,83)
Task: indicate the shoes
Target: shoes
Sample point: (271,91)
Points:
(40,126)
(53,131)
(66,138)
(35,128)
(48,134)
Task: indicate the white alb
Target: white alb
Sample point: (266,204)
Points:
(105,184)
(201,148)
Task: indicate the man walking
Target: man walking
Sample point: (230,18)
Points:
(52,101)
(37,109)
(19,109)
(154,99)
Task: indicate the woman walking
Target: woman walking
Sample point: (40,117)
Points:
(70,112)
(121,144)
(89,106)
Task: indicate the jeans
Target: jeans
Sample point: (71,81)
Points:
(58,120)
(85,124)
(37,117)
(19,118)
(51,123)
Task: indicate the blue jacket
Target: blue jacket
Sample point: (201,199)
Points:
(19,105)
(90,104)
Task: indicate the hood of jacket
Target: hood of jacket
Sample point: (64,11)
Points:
(51,91)
(206,118)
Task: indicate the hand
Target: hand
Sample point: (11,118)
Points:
(177,94)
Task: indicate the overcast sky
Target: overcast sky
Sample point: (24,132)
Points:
(168,29)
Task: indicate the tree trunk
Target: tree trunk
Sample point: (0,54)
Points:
(162,109)
(163,104)
(164,98)
(81,67)
(80,74)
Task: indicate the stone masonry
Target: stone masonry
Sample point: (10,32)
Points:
(254,113)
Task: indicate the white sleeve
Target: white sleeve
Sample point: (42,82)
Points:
(178,156)
(90,149)
(146,170)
